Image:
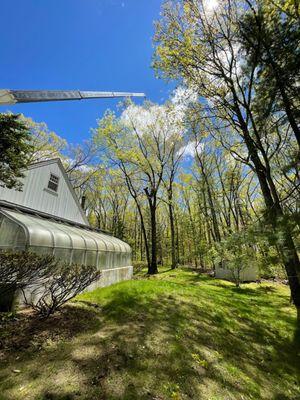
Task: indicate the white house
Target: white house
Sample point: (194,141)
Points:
(46,217)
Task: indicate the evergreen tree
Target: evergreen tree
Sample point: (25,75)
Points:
(15,150)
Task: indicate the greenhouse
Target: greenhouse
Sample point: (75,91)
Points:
(67,241)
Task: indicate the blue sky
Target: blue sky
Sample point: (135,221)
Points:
(78,44)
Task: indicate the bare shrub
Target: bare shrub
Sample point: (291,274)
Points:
(46,284)
(20,269)
(63,283)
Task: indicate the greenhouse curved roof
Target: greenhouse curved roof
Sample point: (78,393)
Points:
(45,232)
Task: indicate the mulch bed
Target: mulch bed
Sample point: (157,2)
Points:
(25,330)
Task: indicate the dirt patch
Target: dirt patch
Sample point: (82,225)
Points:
(26,330)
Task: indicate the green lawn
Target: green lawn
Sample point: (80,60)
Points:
(178,335)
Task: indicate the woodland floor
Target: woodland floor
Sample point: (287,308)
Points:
(178,335)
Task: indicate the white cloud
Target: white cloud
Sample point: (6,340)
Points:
(183,96)
(210,5)
(181,99)
(189,151)
(143,118)
(160,120)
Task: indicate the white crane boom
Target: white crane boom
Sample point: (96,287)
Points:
(29,96)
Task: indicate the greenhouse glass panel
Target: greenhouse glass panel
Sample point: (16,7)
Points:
(63,254)
(60,238)
(102,262)
(98,239)
(67,242)
(11,235)
(117,244)
(112,259)
(75,235)
(78,257)
(89,241)
(108,241)
(119,259)
(106,263)
(91,258)
(41,250)
(109,263)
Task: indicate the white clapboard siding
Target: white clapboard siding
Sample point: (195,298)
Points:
(35,195)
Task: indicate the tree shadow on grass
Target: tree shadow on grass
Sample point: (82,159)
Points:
(54,396)
(28,331)
(195,277)
(163,339)
(150,347)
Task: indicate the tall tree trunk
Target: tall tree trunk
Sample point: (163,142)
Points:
(152,268)
(172,229)
(217,235)
(193,253)
(287,247)
(285,98)
(136,236)
(141,245)
(143,229)
(274,214)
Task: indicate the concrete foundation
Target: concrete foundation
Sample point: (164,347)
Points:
(108,277)
(111,276)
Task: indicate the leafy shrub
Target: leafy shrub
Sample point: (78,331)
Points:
(65,282)
(138,266)
(236,252)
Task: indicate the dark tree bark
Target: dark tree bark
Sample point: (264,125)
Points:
(215,224)
(172,230)
(152,201)
(262,49)
(134,195)
(274,211)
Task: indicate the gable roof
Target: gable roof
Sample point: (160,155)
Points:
(44,162)
(67,180)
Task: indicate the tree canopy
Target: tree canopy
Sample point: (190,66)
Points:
(15,150)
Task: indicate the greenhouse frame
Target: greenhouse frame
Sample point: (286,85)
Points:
(47,217)
(67,241)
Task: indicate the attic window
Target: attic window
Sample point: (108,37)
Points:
(53,182)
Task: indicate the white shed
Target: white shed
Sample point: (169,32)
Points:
(248,274)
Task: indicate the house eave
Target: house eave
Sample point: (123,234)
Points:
(27,210)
